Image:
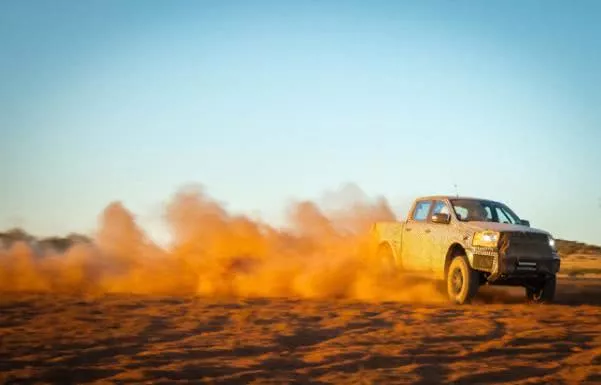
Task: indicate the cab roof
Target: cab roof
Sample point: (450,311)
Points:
(434,197)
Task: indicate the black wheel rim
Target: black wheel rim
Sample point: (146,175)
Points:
(456,281)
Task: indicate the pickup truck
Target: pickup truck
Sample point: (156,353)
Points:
(468,242)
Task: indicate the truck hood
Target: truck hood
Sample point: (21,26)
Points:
(506,227)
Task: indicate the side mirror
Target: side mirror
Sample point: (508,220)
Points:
(441,218)
(524,222)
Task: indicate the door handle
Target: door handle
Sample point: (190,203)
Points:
(427,231)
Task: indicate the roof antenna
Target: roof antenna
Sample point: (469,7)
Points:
(456,190)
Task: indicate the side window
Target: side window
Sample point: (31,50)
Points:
(503,217)
(440,208)
(488,213)
(422,208)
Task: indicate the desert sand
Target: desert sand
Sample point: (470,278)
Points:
(235,300)
(119,338)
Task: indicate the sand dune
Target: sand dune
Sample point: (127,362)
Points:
(132,339)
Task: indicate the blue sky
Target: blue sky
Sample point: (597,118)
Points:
(263,102)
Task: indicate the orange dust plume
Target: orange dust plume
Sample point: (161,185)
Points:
(320,253)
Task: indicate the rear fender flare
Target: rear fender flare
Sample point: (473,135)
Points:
(395,252)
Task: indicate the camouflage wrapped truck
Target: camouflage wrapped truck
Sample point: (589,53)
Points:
(469,242)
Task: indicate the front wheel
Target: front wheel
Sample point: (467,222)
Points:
(543,292)
(462,281)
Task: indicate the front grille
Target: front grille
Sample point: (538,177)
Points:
(483,262)
(523,243)
(486,251)
(529,237)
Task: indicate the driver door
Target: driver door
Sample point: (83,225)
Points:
(413,248)
(438,239)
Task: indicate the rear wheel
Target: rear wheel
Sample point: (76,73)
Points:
(385,260)
(542,292)
(462,281)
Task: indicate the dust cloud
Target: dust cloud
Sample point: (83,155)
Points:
(320,253)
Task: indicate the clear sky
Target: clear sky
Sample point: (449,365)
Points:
(264,101)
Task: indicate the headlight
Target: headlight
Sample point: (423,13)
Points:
(552,242)
(486,239)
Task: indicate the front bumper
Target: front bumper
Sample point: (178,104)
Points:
(501,265)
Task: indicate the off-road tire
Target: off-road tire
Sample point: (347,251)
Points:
(544,292)
(462,281)
(385,260)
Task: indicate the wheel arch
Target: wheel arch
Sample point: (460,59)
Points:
(393,251)
(454,250)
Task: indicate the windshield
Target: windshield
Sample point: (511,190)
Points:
(473,210)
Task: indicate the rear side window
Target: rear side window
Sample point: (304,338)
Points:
(422,208)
